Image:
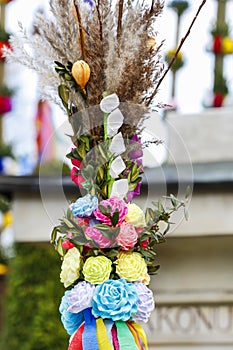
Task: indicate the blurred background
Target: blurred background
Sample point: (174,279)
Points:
(194,289)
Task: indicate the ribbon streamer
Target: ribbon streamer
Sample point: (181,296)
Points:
(141,333)
(125,337)
(135,335)
(89,334)
(102,336)
(76,342)
(114,338)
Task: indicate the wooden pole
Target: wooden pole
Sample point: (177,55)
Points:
(219,59)
(2,75)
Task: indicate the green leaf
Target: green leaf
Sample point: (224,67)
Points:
(63,93)
(173,200)
(115,217)
(152,270)
(59,64)
(68,77)
(82,151)
(187,192)
(68,223)
(105,210)
(54,233)
(59,247)
(186,214)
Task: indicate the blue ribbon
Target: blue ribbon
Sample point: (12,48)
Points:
(89,335)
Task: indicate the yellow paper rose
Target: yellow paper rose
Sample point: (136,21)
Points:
(70,268)
(131,266)
(135,215)
(96,270)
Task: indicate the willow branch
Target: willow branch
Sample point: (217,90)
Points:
(100,20)
(81,31)
(120,14)
(176,53)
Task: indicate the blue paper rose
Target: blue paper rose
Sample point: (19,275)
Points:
(71,321)
(115,299)
(84,206)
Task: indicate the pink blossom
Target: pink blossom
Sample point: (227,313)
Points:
(97,236)
(83,222)
(76,178)
(67,244)
(115,204)
(145,243)
(127,237)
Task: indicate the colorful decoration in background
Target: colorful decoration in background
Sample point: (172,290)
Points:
(5,99)
(179,7)
(5,1)
(94,59)
(179,62)
(44,131)
(5,92)
(4,42)
(6,220)
(221,46)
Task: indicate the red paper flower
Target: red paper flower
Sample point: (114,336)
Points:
(2,45)
(218,100)
(217,44)
(5,104)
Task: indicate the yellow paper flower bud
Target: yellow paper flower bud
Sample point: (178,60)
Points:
(81,73)
(227,45)
(7,219)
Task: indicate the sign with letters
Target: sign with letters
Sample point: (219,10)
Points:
(186,324)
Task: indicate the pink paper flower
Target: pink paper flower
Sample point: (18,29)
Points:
(76,178)
(67,244)
(127,237)
(145,243)
(114,203)
(97,236)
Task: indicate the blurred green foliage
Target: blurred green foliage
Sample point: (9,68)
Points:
(31,315)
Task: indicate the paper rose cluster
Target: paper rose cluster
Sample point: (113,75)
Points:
(103,264)
(113,299)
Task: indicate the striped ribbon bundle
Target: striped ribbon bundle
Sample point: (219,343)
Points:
(99,334)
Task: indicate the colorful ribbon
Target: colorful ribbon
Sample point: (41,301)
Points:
(76,341)
(114,338)
(89,335)
(102,335)
(135,335)
(99,334)
(125,337)
(141,333)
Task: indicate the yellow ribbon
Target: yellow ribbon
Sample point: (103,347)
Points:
(141,333)
(102,336)
(134,333)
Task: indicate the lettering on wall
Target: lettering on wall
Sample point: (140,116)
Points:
(196,324)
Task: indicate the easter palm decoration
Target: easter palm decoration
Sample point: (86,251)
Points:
(101,63)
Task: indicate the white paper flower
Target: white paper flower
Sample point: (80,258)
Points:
(117,145)
(114,122)
(120,188)
(109,103)
(117,167)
